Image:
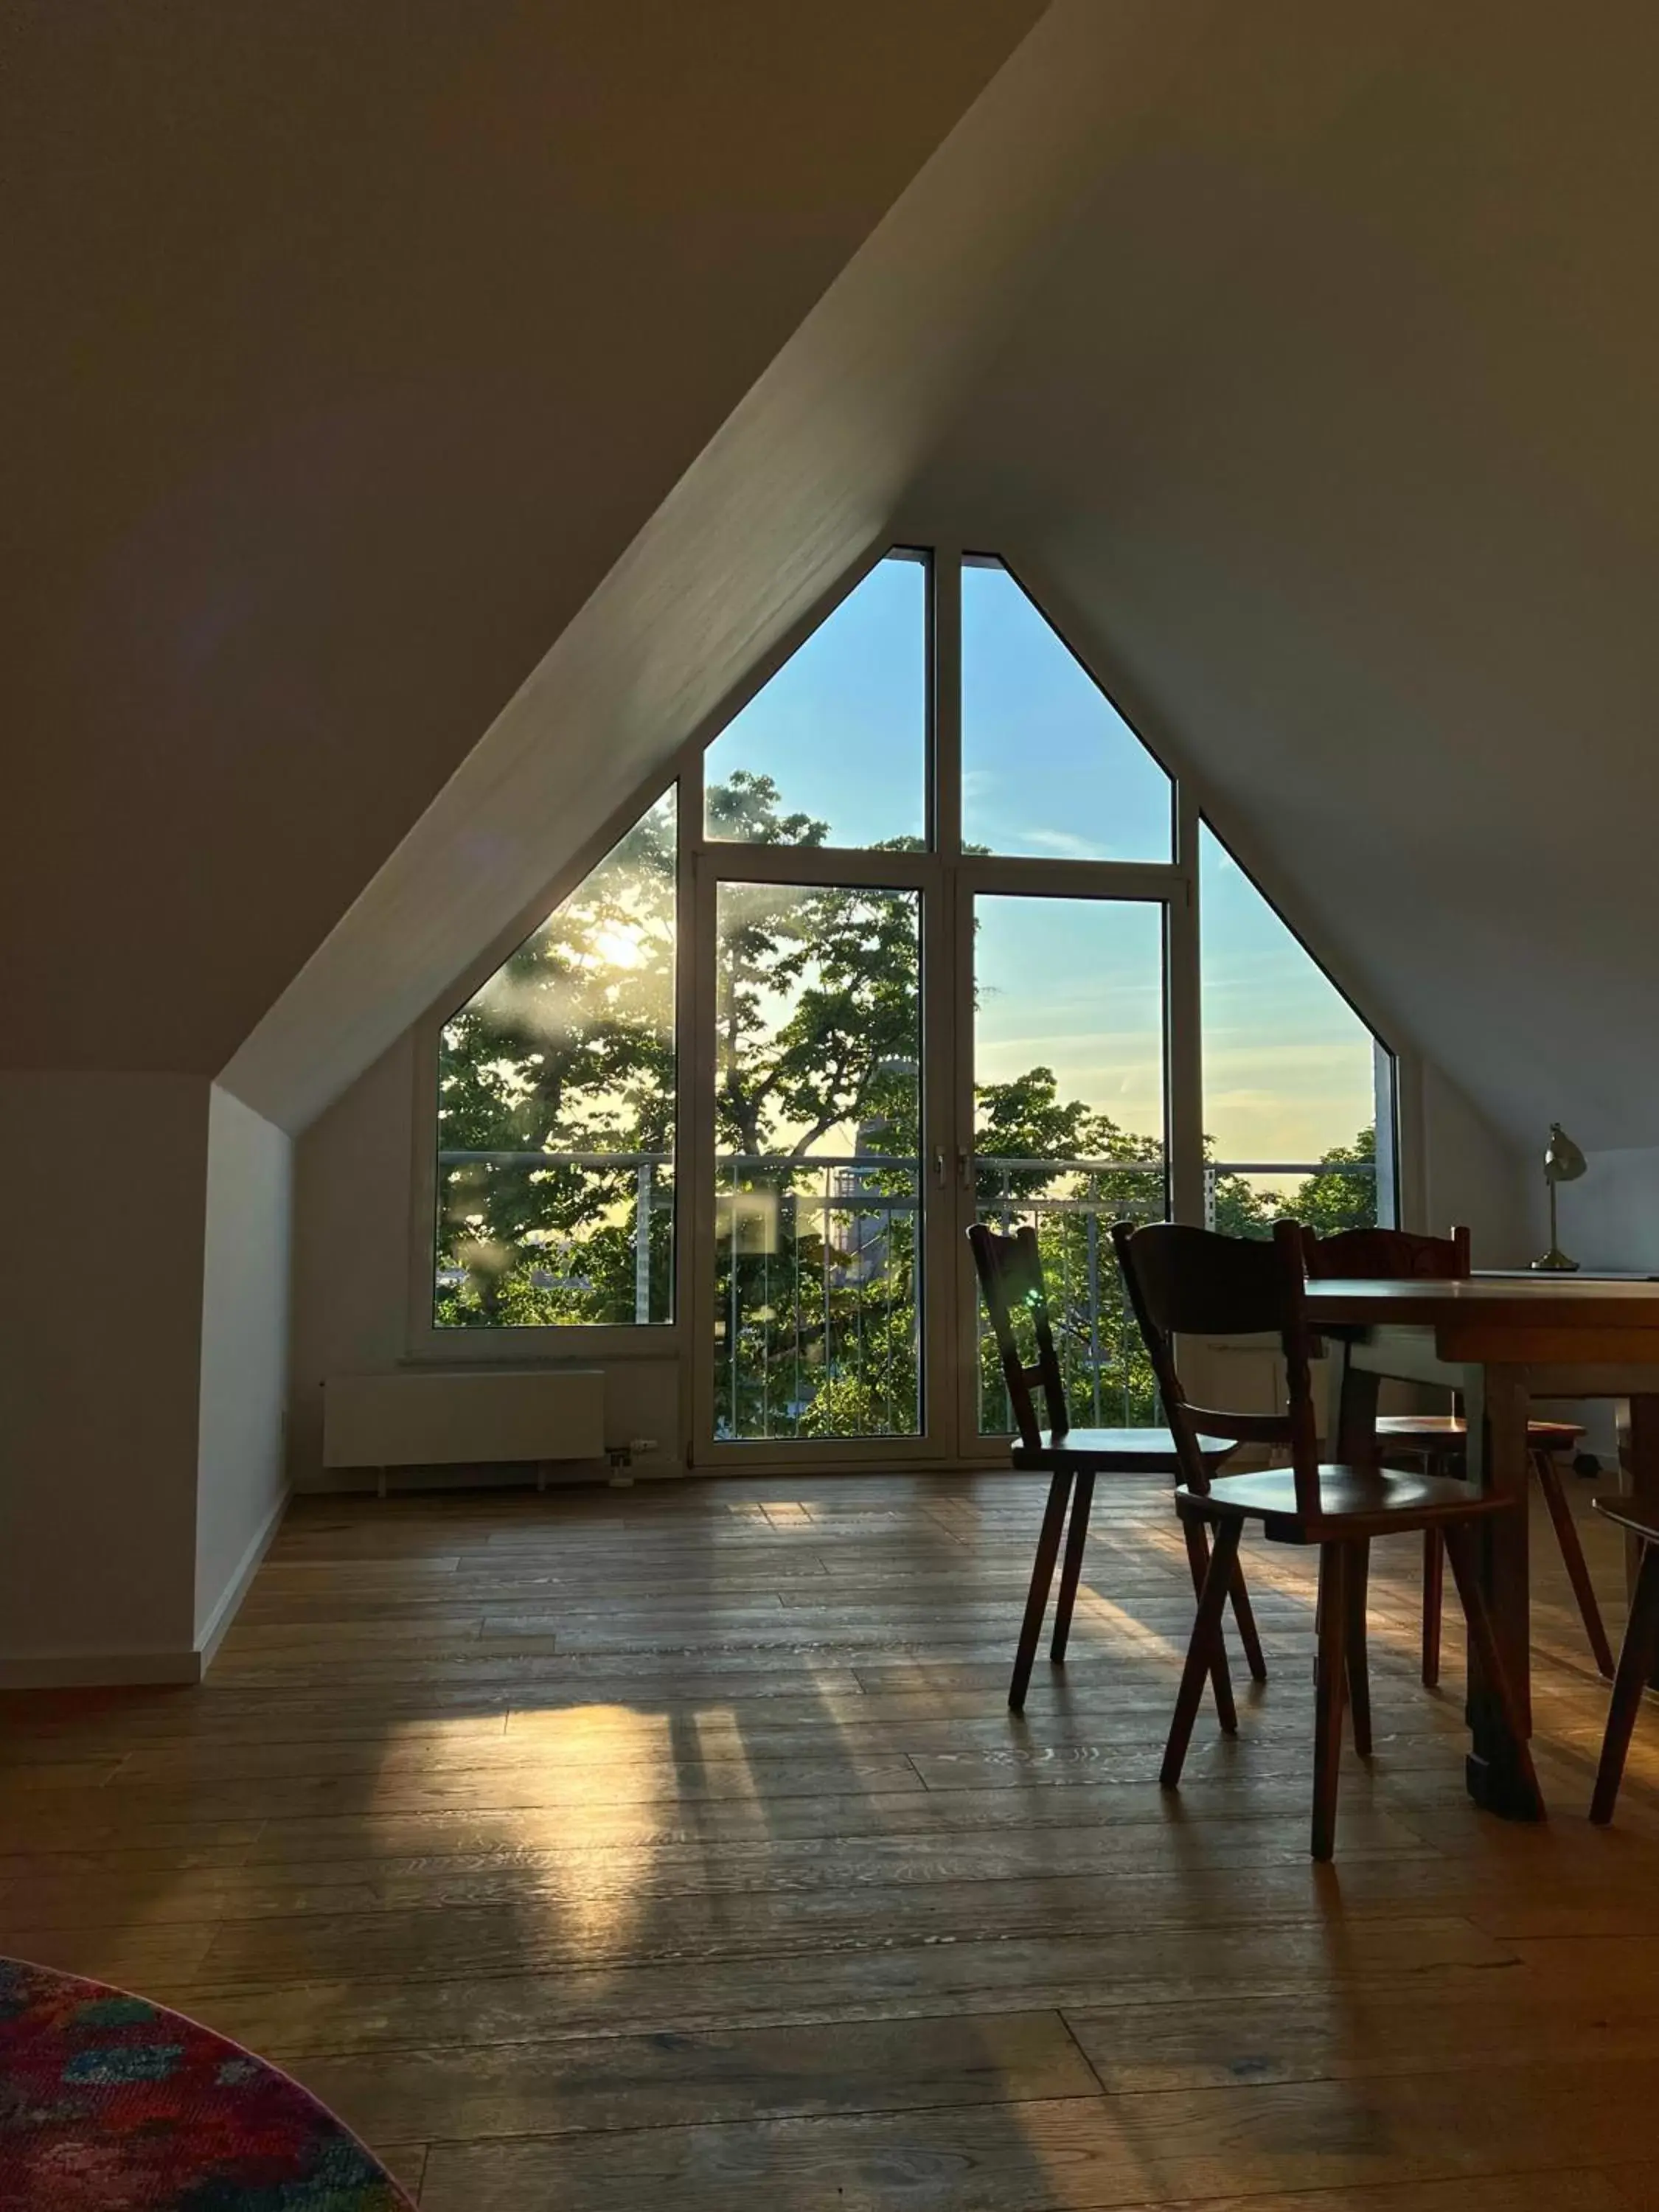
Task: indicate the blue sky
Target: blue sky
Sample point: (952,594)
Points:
(1050,769)
(841,729)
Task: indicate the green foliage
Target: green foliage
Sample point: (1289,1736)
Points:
(747,809)
(1329,1203)
(1326,1202)
(1026,1119)
(817,1037)
(1109,1380)
(570,1049)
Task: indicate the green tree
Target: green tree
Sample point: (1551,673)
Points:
(1086,1173)
(818,1037)
(1326,1202)
(1235,1206)
(569,1050)
(1330,1203)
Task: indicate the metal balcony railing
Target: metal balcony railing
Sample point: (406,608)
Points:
(817,1320)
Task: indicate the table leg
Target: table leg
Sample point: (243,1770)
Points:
(1354,1441)
(1642,1467)
(1495,1404)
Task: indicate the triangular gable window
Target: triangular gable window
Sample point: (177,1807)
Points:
(1294,1084)
(1050,769)
(833,750)
(555,1109)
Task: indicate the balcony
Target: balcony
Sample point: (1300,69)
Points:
(817,1313)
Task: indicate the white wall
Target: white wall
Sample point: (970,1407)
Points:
(353,1226)
(100,1313)
(1467,1171)
(241,1480)
(143,1369)
(279,553)
(1336,410)
(353,1199)
(1610,1218)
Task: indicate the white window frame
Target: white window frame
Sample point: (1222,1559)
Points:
(947,880)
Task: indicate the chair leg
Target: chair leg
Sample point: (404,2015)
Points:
(1461,1543)
(1356,1580)
(1202,1651)
(1434,1580)
(1244,1619)
(1198,1559)
(1572,1558)
(1330,1679)
(1636,1664)
(1083,1497)
(1043,1574)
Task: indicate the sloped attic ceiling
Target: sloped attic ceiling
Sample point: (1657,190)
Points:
(1328,339)
(349,347)
(801,479)
(1334,428)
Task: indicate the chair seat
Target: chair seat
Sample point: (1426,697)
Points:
(1623,1511)
(1116,1451)
(1446,1431)
(1354,1501)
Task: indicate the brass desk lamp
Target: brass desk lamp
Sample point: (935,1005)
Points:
(1563,1162)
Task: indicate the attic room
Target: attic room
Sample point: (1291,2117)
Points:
(831,1377)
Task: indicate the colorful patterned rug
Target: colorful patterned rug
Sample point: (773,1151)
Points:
(111,2104)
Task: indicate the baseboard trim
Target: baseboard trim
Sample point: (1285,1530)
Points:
(209,1637)
(98,1670)
(488,1474)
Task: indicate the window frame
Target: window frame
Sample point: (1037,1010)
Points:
(558,1343)
(701,861)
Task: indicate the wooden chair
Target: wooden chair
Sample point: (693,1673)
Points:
(1010,1270)
(1637,1659)
(1440,1441)
(1187,1281)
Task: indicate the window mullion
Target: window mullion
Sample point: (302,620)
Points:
(945,761)
(1184,1067)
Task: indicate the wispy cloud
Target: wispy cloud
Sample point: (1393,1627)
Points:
(1065,844)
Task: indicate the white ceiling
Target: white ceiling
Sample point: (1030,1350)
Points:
(346,348)
(1321,350)
(802,481)
(1335,424)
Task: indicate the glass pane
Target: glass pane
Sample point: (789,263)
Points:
(555,1111)
(1049,767)
(1292,1075)
(1069,1126)
(817,1174)
(834,751)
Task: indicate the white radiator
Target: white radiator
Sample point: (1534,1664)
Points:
(415,1420)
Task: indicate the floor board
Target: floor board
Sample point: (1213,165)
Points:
(596,1848)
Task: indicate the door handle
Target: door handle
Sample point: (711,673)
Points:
(964,1168)
(938,1165)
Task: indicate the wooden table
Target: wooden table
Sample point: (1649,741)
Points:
(1501,1340)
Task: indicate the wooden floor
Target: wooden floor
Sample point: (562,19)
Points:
(673,1847)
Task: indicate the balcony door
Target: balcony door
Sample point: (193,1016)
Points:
(898,1045)
(1063,1096)
(814,1254)
(943,908)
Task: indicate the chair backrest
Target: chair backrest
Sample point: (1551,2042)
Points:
(1191,1282)
(1010,1270)
(1386,1255)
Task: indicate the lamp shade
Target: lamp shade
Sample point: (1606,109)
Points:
(1563,1161)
